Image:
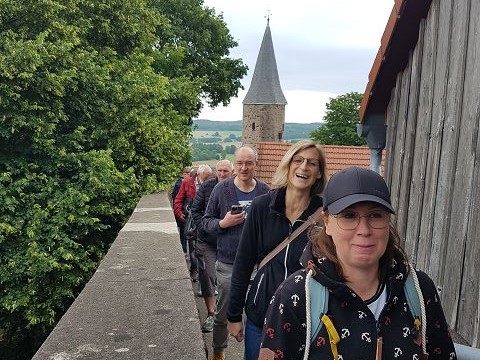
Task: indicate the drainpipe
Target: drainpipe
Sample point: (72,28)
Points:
(374,130)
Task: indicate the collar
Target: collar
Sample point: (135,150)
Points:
(277,203)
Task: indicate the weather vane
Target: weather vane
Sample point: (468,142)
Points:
(268,16)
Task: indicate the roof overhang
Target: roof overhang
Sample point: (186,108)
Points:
(400,36)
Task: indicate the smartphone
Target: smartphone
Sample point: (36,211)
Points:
(236,209)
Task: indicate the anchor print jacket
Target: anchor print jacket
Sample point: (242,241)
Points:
(284,330)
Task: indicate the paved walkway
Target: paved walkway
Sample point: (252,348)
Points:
(234,350)
(139,304)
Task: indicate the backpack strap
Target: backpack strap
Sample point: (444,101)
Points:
(416,304)
(318,306)
(316,309)
(412,297)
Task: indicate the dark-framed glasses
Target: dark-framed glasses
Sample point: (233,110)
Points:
(349,220)
(299,160)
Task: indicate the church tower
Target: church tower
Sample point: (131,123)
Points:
(264,104)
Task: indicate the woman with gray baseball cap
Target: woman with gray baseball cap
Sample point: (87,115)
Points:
(375,304)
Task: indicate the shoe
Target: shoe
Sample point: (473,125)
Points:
(207,327)
(218,356)
(194,275)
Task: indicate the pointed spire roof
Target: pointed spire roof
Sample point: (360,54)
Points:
(265,87)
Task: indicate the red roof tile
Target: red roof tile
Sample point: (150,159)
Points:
(338,158)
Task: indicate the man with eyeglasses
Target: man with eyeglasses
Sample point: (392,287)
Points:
(219,219)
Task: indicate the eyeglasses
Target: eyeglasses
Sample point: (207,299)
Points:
(349,220)
(247,164)
(299,160)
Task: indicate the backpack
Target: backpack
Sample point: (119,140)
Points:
(318,306)
(190,227)
(176,188)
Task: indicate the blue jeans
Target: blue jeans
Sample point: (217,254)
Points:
(253,336)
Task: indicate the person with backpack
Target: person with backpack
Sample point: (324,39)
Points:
(182,210)
(206,249)
(357,297)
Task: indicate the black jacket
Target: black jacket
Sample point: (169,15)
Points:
(265,227)
(198,209)
(285,331)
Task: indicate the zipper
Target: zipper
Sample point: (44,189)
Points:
(285,270)
(258,289)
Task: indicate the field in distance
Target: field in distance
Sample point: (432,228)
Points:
(214,140)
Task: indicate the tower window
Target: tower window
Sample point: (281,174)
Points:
(279,136)
(253,126)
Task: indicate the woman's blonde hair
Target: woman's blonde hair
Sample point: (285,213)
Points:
(280,178)
(323,246)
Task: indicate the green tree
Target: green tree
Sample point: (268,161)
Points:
(340,119)
(196,44)
(95,110)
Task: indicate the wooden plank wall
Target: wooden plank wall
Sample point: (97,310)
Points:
(433,161)
(467,204)
(396,168)
(427,250)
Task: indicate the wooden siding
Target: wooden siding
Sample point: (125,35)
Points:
(433,157)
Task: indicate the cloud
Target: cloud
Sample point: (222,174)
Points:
(323,48)
(303,107)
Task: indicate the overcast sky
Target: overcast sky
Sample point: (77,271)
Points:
(323,48)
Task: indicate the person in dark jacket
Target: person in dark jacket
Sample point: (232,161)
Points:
(171,197)
(357,257)
(183,201)
(299,179)
(206,249)
(219,219)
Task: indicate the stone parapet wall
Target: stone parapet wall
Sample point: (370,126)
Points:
(139,303)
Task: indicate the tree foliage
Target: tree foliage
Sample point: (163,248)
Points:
(95,110)
(208,152)
(340,119)
(196,43)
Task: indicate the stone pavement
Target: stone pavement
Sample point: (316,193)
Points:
(139,304)
(234,350)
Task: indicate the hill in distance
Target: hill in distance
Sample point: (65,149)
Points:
(293,131)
